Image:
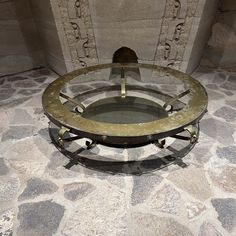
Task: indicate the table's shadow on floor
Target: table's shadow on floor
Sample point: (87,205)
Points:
(82,155)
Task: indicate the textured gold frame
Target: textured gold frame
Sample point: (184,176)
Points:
(190,114)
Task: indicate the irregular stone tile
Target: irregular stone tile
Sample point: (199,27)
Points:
(35,101)
(226,113)
(117,180)
(135,153)
(4,123)
(152,87)
(24,150)
(228,93)
(232,78)
(207,229)
(215,95)
(38,111)
(40,72)
(100,84)
(218,130)
(44,133)
(77,191)
(229,86)
(44,145)
(143,186)
(60,172)
(18,132)
(6,93)
(79,88)
(109,151)
(147,224)
(57,159)
(41,80)
(6,223)
(163,79)
(226,209)
(56,169)
(206,78)
(231,103)
(39,219)
(25,84)
(43,86)
(228,153)
(201,154)
(219,78)
(193,181)
(114,180)
(21,117)
(26,168)
(16,78)
(168,88)
(194,209)
(212,86)
(8,188)
(28,92)
(3,167)
(36,187)
(167,200)
(104,213)
(13,103)
(226,179)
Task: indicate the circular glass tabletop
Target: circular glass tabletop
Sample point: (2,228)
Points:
(127,110)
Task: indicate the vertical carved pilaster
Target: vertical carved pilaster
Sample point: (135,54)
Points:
(175,29)
(77,24)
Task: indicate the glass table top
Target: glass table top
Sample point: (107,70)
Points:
(128,110)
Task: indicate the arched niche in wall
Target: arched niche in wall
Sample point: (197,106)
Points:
(125,55)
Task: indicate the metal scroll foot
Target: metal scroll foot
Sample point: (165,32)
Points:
(90,145)
(193,133)
(160,144)
(61,134)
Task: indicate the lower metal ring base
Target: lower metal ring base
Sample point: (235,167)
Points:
(101,157)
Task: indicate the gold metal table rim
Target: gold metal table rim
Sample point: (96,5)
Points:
(190,114)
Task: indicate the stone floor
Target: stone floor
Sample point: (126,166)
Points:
(39,197)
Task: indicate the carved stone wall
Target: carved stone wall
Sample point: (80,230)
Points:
(175,32)
(161,32)
(77,36)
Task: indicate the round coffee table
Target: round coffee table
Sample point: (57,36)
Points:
(124,105)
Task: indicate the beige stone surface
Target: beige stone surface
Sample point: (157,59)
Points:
(72,34)
(200,33)
(226,180)
(48,31)
(147,224)
(228,5)
(199,199)
(223,37)
(20,46)
(164,32)
(75,30)
(198,187)
(121,11)
(140,36)
(221,48)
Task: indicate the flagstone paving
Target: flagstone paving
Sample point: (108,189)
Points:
(40,197)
